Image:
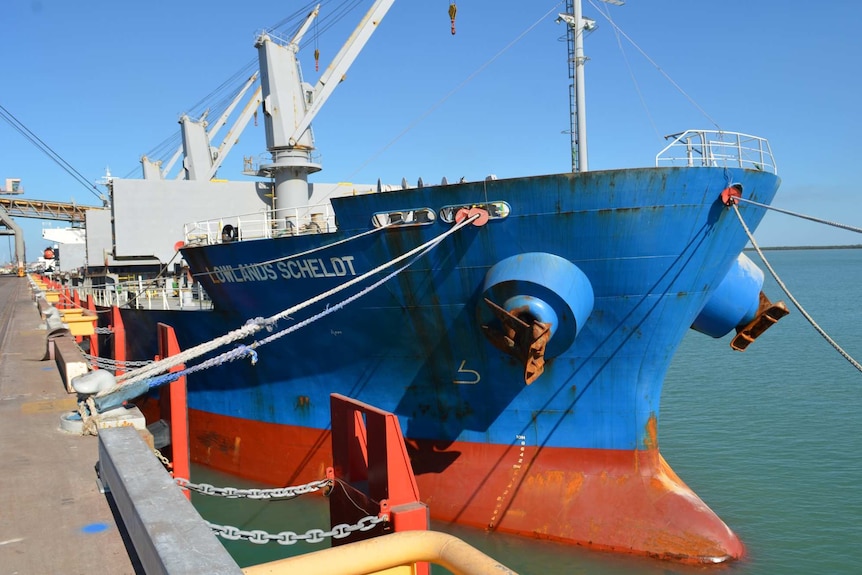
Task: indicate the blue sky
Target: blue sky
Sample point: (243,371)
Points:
(104,82)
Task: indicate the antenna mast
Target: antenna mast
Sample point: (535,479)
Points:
(575,26)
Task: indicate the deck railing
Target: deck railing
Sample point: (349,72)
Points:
(264,224)
(717,149)
(691,148)
(143,294)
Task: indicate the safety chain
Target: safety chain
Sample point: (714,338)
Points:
(104,330)
(260,537)
(100,362)
(165,461)
(111,364)
(235,493)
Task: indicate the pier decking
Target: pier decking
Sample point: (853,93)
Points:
(56,518)
(53,518)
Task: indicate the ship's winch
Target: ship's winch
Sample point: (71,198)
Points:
(534,305)
(739,303)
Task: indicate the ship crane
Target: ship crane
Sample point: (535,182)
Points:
(290,105)
(201,160)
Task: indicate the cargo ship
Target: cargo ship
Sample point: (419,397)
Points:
(520,328)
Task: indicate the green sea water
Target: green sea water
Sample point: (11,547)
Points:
(771,440)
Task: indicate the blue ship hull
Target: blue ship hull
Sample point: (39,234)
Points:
(653,245)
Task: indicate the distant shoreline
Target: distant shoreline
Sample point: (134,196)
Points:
(774,248)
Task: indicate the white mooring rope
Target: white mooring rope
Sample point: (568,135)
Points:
(257,324)
(780,283)
(803,216)
(300,254)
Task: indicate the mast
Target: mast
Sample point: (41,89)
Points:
(579,136)
(576,24)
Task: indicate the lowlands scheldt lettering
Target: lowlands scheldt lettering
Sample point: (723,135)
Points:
(289,269)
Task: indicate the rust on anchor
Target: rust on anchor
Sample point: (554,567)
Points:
(768,314)
(521,339)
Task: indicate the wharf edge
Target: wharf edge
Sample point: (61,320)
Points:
(53,518)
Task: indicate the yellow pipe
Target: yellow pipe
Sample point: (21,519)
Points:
(386,552)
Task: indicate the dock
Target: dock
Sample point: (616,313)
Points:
(75,503)
(53,517)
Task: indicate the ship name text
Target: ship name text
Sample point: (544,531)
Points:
(288,269)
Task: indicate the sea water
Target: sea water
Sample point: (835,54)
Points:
(770,439)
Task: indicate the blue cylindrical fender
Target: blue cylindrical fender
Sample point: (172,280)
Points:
(544,287)
(735,301)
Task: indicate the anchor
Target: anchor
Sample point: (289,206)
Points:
(768,314)
(520,339)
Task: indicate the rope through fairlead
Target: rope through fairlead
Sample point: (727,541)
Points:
(259,323)
(780,283)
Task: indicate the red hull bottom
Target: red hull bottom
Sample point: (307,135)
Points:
(611,500)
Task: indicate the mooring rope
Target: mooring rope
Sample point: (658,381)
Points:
(257,324)
(798,305)
(300,254)
(803,216)
(242,351)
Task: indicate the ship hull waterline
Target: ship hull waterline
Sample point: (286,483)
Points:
(607,500)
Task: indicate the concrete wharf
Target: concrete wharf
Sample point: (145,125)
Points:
(53,517)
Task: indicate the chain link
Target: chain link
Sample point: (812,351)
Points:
(261,537)
(165,461)
(235,493)
(111,364)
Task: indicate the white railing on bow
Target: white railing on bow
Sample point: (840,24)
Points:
(713,148)
(264,224)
